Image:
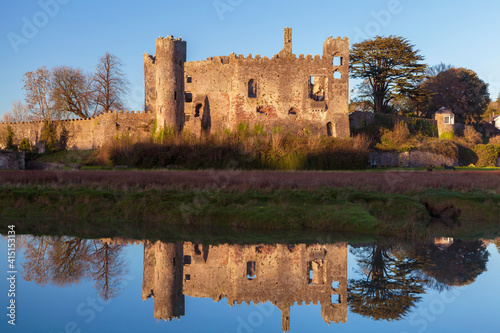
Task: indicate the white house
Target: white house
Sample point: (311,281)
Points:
(496,122)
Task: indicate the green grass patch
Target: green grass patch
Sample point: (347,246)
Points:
(66,157)
(137,213)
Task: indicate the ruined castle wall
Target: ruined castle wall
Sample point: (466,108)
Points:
(149,83)
(82,134)
(283,96)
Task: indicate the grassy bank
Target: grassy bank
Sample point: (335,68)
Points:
(138,212)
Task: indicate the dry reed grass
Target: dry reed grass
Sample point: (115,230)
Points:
(387,182)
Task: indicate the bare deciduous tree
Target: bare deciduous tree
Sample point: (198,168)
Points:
(436,69)
(8,117)
(20,111)
(72,91)
(37,86)
(110,83)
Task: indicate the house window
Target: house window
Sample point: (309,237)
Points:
(252,88)
(337,75)
(189,79)
(189,97)
(187,260)
(447,120)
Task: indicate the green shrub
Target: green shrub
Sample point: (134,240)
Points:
(25,145)
(49,136)
(471,136)
(487,155)
(258,129)
(10,139)
(447,135)
(395,138)
(242,128)
(422,126)
(467,156)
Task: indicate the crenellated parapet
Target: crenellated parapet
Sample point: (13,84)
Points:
(89,133)
(78,119)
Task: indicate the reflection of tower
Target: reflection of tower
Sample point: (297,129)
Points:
(285,319)
(162,279)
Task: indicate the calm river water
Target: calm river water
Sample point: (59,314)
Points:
(67,284)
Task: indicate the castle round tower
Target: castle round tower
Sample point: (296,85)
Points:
(169,63)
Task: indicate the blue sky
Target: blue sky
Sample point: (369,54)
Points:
(76,33)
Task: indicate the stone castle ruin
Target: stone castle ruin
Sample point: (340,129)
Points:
(297,94)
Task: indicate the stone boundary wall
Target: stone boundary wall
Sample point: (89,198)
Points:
(411,159)
(12,160)
(84,134)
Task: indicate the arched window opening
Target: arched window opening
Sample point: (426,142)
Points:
(252,88)
(250,270)
(197,110)
(330,129)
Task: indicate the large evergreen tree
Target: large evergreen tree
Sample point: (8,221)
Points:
(390,67)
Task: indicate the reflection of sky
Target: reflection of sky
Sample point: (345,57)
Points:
(50,309)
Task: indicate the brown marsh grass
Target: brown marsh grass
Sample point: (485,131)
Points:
(383,181)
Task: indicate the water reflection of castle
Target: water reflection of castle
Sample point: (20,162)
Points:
(281,274)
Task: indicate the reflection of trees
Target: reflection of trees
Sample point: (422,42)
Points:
(36,266)
(68,257)
(393,278)
(107,268)
(389,287)
(457,265)
(64,261)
